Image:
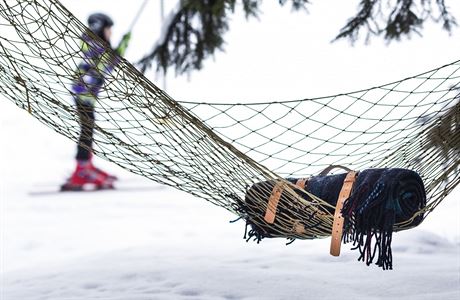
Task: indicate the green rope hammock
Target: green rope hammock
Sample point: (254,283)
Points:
(218,151)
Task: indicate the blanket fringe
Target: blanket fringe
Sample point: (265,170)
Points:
(369,226)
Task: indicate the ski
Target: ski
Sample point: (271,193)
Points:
(56,190)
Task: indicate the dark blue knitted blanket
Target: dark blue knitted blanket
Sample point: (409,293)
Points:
(381,201)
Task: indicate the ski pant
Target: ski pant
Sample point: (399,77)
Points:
(85,142)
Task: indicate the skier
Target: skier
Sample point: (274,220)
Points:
(96,63)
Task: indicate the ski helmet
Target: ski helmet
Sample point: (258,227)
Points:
(97,22)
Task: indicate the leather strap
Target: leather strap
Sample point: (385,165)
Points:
(298,227)
(275,196)
(337,227)
(332,167)
(301,182)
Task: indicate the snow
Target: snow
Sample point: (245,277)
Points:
(160,243)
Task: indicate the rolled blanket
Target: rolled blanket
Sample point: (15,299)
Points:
(381,201)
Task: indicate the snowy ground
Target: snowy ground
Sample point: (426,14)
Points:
(158,243)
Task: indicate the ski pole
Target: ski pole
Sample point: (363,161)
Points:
(136,18)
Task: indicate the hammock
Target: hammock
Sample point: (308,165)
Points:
(218,151)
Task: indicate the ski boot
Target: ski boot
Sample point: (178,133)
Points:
(103,173)
(86,178)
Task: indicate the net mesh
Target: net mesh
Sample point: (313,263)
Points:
(216,151)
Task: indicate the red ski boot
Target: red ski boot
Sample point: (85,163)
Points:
(97,170)
(86,178)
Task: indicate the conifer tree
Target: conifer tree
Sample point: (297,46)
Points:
(198,27)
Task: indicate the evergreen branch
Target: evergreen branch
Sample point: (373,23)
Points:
(447,18)
(296,4)
(405,18)
(354,25)
(402,21)
(197,29)
(195,32)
